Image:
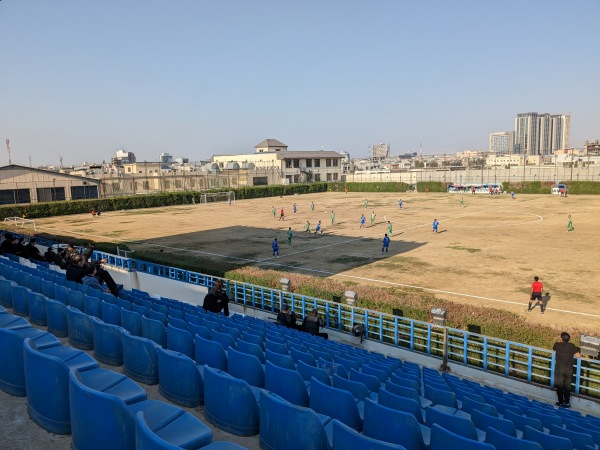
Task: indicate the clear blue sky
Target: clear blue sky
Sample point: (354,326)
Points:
(195,78)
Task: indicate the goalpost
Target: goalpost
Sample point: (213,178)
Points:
(223,197)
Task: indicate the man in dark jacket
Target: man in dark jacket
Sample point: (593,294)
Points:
(286,317)
(217,300)
(312,324)
(563,369)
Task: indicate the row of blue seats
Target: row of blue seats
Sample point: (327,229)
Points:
(429,380)
(67,392)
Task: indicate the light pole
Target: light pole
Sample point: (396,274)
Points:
(571,177)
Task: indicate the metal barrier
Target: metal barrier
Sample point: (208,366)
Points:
(507,358)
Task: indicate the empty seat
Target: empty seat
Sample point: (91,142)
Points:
(108,343)
(180,379)
(180,340)
(12,372)
(47,383)
(307,372)
(521,421)
(484,421)
(36,303)
(76,299)
(278,359)
(408,393)
(80,329)
(5,293)
(56,316)
(371,381)
(580,441)
(393,401)
(335,403)
(111,313)
(20,305)
(231,404)
(210,353)
(12,322)
(394,426)
(154,330)
(278,417)
(140,358)
(275,347)
(442,439)
(251,349)
(344,437)
(92,306)
(246,367)
(358,390)
(298,355)
(131,321)
(547,441)
(332,368)
(104,405)
(502,440)
(441,397)
(286,383)
(225,339)
(459,425)
(468,405)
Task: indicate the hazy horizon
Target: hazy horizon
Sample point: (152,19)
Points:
(195,78)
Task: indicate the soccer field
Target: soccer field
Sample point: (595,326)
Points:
(485,253)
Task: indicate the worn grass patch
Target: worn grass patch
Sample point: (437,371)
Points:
(350,260)
(402,263)
(466,249)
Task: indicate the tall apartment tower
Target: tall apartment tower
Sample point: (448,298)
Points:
(502,142)
(541,134)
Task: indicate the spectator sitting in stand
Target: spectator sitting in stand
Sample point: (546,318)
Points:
(70,252)
(32,251)
(75,269)
(216,300)
(286,317)
(7,245)
(49,255)
(90,279)
(60,259)
(312,323)
(21,248)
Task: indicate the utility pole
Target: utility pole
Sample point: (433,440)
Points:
(8,149)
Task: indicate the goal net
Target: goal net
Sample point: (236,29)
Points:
(223,197)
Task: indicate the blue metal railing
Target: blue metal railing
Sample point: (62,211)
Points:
(507,358)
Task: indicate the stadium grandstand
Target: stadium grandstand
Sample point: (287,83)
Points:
(150,369)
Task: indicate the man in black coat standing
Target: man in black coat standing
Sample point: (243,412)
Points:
(563,369)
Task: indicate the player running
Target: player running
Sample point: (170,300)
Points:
(275,247)
(318,228)
(389,228)
(294,208)
(400,203)
(570,225)
(373,218)
(362,220)
(307,227)
(281,214)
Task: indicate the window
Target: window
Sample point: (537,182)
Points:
(288,163)
(309,163)
(328,177)
(296,163)
(296,178)
(177,184)
(328,162)
(81,192)
(335,177)
(129,169)
(50,194)
(260,181)
(317,177)
(317,163)
(335,163)
(167,184)
(146,185)
(139,171)
(11,196)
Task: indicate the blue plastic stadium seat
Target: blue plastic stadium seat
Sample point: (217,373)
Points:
(275,346)
(180,379)
(104,404)
(344,438)
(108,342)
(92,306)
(407,405)
(394,426)
(210,353)
(76,299)
(180,340)
(231,404)
(502,440)
(358,390)
(547,441)
(580,440)
(36,303)
(280,360)
(140,358)
(225,339)
(442,439)
(246,367)
(111,313)
(298,355)
(371,381)
(5,293)
(307,372)
(56,316)
(332,368)
(156,315)
(336,403)
(81,335)
(177,323)
(48,288)
(154,330)
(459,425)
(286,383)
(12,375)
(278,417)
(483,421)
(19,300)
(547,419)
(47,383)
(468,405)
(12,322)
(253,339)
(441,397)
(521,421)
(251,349)
(408,393)
(131,321)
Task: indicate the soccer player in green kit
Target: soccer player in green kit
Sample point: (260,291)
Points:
(332,217)
(372,218)
(389,228)
(289,236)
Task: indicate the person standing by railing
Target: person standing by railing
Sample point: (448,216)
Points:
(563,369)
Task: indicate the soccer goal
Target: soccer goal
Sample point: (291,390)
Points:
(224,197)
(21,221)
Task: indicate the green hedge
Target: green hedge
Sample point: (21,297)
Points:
(545,187)
(433,186)
(369,187)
